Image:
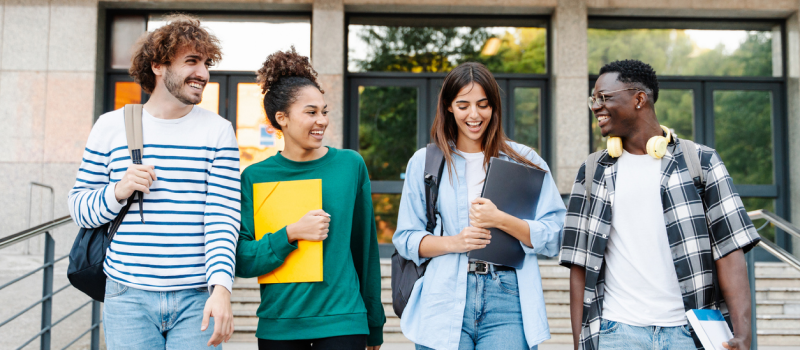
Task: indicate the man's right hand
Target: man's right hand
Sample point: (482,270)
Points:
(137,178)
(311,227)
(470,238)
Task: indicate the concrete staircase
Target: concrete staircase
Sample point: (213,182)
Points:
(777,294)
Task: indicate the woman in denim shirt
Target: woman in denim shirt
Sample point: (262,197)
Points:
(451,307)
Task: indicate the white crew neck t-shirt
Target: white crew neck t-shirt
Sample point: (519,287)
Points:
(641,286)
(475,174)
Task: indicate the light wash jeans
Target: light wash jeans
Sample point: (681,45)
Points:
(136,319)
(618,335)
(493,315)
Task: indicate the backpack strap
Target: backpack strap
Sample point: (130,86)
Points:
(589,169)
(689,149)
(133,133)
(434,165)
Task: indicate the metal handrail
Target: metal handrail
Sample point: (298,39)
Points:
(771,247)
(34,231)
(46,301)
(778,221)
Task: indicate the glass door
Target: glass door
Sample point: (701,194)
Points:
(386,130)
(749,137)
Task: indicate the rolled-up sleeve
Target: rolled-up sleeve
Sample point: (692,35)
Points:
(411,219)
(545,230)
(574,245)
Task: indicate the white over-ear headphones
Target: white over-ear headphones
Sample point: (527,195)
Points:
(656,146)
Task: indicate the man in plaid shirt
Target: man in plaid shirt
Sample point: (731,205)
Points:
(645,247)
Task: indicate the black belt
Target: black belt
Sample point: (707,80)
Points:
(482,268)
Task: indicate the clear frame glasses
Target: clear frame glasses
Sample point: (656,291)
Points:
(592,100)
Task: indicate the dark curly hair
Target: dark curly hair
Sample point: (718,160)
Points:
(281,77)
(634,72)
(161,45)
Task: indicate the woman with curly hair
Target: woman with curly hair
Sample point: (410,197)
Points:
(344,311)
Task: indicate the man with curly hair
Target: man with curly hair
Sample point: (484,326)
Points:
(170,269)
(645,238)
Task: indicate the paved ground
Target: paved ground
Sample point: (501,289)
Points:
(408,346)
(20,295)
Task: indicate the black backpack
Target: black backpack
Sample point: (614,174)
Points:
(85,271)
(405,273)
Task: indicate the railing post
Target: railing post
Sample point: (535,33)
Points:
(47,290)
(95,322)
(751,275)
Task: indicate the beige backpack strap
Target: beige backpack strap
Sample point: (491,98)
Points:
(133,131)
(689,149)
(589,170)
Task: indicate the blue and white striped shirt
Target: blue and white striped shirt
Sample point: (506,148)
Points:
(192,213)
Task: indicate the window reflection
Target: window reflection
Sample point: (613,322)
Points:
(387,129)
(386,207)
(256,137)
(210,97)
(675,109)
(743,134)
(686,52)
(527,113)
(248,40)
(421,49)
(126,92)
(125,30)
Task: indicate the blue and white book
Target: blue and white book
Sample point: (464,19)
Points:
(710,327)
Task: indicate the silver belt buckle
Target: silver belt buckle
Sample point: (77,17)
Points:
(481,268)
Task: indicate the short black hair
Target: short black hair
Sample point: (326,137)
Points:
(634,72)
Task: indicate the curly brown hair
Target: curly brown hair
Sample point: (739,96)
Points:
(281,77)
(161,45)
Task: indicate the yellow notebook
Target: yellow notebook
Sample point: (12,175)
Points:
(278,204)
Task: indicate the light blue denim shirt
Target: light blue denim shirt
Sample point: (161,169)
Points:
(435,309)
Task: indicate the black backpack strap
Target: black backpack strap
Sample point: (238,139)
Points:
(434,165)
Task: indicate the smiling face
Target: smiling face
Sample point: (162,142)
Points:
(472,113)
(305,120)
(617,116)
(185,77)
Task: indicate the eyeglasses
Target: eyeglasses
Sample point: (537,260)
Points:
(593,100)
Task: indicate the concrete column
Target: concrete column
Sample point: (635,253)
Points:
(793,96)
(327,57)
(570,86)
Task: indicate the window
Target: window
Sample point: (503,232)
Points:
(396,67)
(231,91)
(721,84)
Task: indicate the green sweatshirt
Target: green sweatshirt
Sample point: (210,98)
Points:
(348,300)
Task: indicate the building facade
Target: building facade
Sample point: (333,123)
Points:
(729,72)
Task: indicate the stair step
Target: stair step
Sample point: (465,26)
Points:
(778,337)
(778,293)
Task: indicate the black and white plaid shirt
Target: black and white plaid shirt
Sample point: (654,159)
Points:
(697,236)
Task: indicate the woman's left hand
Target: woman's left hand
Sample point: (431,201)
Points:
(484,214)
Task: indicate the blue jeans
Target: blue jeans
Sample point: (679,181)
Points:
(138,319)
(618,335)
(492,315)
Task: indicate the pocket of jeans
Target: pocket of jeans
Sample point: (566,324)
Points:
(685,330)
(608,327)
(114,289)
(508,283)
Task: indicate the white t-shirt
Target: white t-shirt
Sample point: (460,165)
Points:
(475,174)
(641,284)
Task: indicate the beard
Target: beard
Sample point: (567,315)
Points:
(174,84)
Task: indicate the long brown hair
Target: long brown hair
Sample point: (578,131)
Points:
(445,129)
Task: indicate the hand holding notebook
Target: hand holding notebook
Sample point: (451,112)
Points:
(280,204)
(311,227)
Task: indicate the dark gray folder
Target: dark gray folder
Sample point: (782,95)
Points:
(513,188)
